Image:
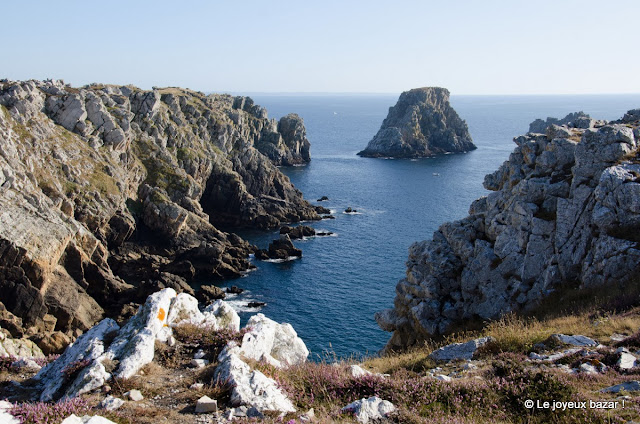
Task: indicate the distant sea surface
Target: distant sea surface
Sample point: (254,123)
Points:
(332,292)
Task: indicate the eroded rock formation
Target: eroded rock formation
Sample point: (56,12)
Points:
(564,212)
(421,124)
(109,193)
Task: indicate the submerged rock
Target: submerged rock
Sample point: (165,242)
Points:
(421,124)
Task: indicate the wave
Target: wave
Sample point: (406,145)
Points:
(279,261)
(239,302)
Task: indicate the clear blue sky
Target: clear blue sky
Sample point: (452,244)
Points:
(470,47)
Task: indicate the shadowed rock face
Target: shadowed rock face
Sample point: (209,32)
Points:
(565,209)
(108,193)
(421,124)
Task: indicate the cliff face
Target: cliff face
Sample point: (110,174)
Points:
(108,193)
(422,123)
(564,213)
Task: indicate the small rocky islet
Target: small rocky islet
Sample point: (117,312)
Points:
(421,124)
(110,199)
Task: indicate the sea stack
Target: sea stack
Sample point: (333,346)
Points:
(421,124)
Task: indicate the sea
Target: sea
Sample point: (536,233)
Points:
(330,295)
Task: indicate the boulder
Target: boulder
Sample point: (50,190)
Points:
(206,405)
(280,249)
(208,294)
(421,124)
(369,410)
(87,419)
(250,387)
(276,344)
(459,351)
(19,348)
(5,416)
(111,403)
(357,371)
(576,340)
(134,395)
(626,360)
(234,290)
(298,232)
(627,386)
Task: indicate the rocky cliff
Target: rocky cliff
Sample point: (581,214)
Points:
(564,214)
(421,124)
(108,193)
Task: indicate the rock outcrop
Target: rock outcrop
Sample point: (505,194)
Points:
(421,124)
(109,193)
(574,119)
(564,213)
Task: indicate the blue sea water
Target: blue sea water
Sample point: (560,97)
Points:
(332,292)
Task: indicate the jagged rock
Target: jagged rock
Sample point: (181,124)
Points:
(88,347)
(127,184)
(298,232)
(459,351)
(250,387)
(371,409)
(208,293)
(576,340)
(51,343)
(256,304)
(575,119)
(205,405)
(555,356)
(422,123)
(276,344)
(280,249)
(323,198)
(627,386)
(563,212)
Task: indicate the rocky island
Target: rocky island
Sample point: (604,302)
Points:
(110,193)
(563,216)
(421,124)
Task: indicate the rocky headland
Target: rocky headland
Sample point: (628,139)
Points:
(109,193)
(563,215)
(421,124)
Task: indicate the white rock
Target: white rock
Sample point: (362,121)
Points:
(358,371)
(576,340)
(442,377)
(468,366)
(366,410)
(223,315)
(19,348)
(135,343)
(199,354)
(627,386)
(250,387)
(96,419)
(196,386)
(555,356)
(459,351)
(26,364)
(111,403)
(184,309)
(5,416)
(205,404)
(199,363)
(90,378)
(88,346)
(587,368)
(626,359)
(276,344)
(134,395)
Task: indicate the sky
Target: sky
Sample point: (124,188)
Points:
(469,47)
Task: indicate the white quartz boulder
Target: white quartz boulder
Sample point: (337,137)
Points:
(276,344)
(134,346)
(366,410)
(250,387)
(86,348)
